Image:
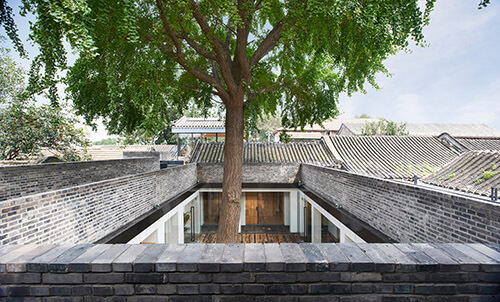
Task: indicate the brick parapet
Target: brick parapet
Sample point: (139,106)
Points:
(25,180)
(252,272)
(404,211)
(252,172)
(86,213)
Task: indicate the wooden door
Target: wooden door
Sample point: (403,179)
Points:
(251,203)
(264,208)
(211,205)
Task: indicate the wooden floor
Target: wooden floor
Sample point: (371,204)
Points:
(256,238)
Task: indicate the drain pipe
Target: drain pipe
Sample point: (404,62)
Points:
(494,194)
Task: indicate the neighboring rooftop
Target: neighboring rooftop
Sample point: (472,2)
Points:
(432,129)
(199,125)
(395,157)
(107,152)
(300,152)
(333,125)
(472,172)
(480,143)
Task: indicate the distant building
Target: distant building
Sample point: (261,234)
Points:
(430,129)
(315,132)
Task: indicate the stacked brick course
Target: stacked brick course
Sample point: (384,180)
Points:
(407,212)
(18,181)
(252,172)
(252,272)
(84,214)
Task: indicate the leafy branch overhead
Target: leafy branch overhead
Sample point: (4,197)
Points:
(139,58)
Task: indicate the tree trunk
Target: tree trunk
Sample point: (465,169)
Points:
(233,161)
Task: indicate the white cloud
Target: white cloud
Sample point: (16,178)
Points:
(408,107)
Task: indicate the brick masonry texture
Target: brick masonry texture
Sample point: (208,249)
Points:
(405,212)
(389,272)
(252,173)
(19,181)
(86,213)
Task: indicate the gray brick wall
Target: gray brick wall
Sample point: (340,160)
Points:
(252,272)
(86,213)
(18,181)
(252,173)
(406,212)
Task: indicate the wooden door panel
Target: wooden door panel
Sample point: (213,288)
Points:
(251,202)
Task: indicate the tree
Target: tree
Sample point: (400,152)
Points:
(384,127)
(364,115)
(27,128)
(11,77)
(138,58)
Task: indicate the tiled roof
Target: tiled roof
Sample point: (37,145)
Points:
(472,172)
(480,143)
(433,129)
(396,157)
(198,125)
(106,152)
(301,152)
(335,124)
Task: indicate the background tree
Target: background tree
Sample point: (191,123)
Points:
(138,58)
(363,115)
(26,129)
(384,127)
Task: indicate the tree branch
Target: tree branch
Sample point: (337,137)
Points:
(240,53)
(223,56)
(197,47)
(178,55)
(268,43)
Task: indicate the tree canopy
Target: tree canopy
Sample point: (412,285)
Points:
(26,128)
(138,59)
(384,127)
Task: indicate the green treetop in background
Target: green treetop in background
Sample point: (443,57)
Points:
(384,127)
(26,129)
(136,59)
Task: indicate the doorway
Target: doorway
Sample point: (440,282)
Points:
(264,208)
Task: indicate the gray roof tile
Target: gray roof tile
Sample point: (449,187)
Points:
(472,172)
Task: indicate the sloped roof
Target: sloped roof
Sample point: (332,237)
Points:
(480,143)
(472,172)
(395,157)
(335,124)
(198,125)
(299,152)
(435,129)
(106,152)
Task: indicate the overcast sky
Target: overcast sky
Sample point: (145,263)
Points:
(456,79)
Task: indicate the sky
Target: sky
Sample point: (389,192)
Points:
(456,79)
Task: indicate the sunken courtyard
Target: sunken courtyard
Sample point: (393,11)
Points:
(319,222)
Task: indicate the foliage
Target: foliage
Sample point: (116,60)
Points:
(364,115)
(285,137)
(136,58)
(106,141)
(384,127)
(488,173)
(11,78)
(483,4)
(27,129)
(7,21)
(451,176)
